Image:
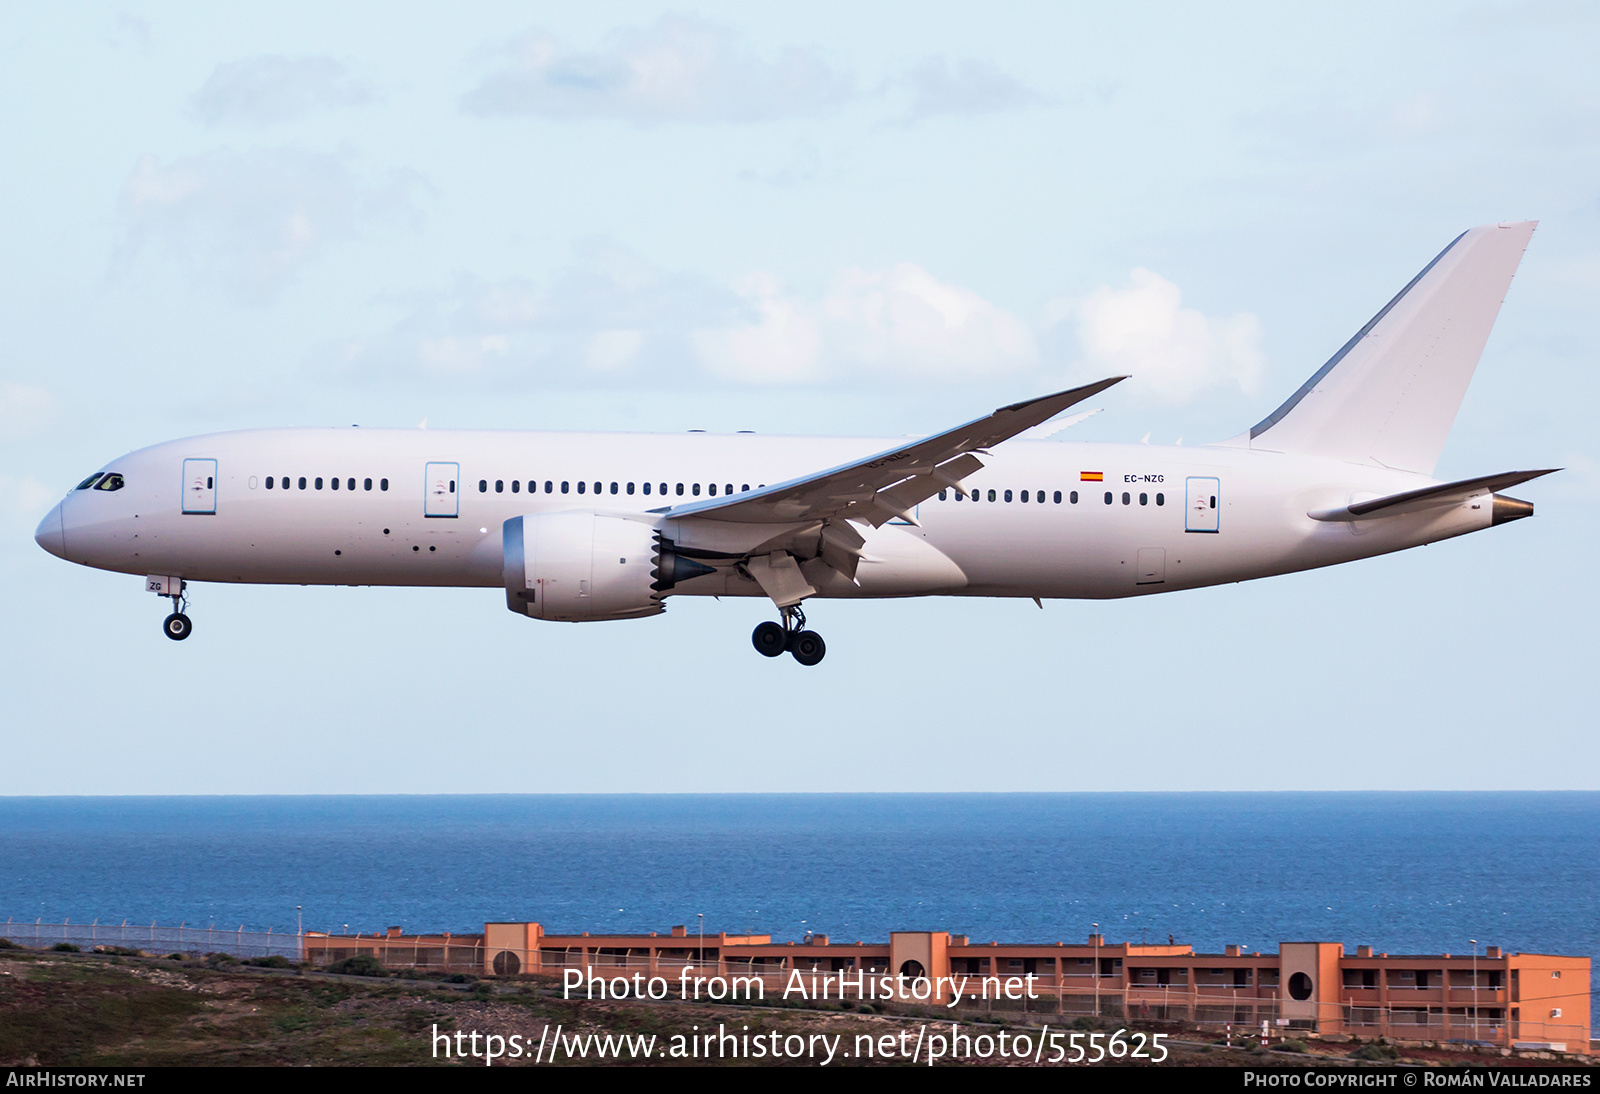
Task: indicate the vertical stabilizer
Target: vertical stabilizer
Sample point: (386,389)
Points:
(1391,394)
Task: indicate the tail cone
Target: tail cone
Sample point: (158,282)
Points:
(1509,509)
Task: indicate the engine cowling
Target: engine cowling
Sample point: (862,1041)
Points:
(579,566)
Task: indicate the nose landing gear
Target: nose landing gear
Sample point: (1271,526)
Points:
(176,626)
(771,639)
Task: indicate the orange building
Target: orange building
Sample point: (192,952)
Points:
(1505,999)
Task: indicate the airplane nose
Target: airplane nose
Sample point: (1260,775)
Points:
(50,535)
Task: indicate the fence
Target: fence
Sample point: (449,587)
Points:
(153,938)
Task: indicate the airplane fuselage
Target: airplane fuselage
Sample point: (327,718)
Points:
(1046,519)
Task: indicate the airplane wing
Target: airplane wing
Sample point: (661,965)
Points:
(889,484)
(1428,497)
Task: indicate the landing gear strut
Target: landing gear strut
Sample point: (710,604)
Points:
(177,626)
(771,639)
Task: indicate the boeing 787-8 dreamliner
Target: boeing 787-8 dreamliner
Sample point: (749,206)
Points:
(594,526)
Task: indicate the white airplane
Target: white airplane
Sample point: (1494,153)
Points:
(590,526)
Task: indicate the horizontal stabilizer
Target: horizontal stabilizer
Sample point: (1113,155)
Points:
(1429,497)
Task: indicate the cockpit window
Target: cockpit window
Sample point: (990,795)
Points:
(88,482)
(110,482)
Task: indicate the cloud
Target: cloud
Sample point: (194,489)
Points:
(967,87)
(23,502)
(900,322)
(24,411)
(1174,353)
(681,69)
(260,91)
(251,221)
(608,313)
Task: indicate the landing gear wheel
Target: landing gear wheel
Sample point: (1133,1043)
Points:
(807,647)
(177,627)
(769,639)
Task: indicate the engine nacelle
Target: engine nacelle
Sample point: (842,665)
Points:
(580,565)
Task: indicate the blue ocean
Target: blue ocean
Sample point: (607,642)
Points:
(1403,872)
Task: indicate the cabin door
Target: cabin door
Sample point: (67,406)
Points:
(200,486)
(442,499)
(1203,513)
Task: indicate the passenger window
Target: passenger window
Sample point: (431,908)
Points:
(1058,497)
(269,483)
(351,485)
(597,488)
(991,495)
(695,490)
(712,489)
(613,488)
(647,488)
(680,490)
(1213,501)
(383,484)
(1126,498)
(729,489)
(630,488)
(366,484)
(1108,497)
(664,490)
(564,485)
(1073,497)
(1040,498)
(483,486)
(113,481)
(942,496)
(550,487)
(1144,499)
(744,489)
(335,484)
(88,482)
(1161,499)
(499,486)
(516,486)
(582,486)
(319,482)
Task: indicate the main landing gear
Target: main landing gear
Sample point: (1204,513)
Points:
(771,639)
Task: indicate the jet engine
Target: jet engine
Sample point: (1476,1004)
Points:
(580,565)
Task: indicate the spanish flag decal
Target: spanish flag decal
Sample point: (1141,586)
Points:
(1092,476)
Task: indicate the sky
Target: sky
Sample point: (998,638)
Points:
(833,219)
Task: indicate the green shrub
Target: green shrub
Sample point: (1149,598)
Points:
(1376,1052)
(65,947)
(362,964)
(1293,1045)
(276,961)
